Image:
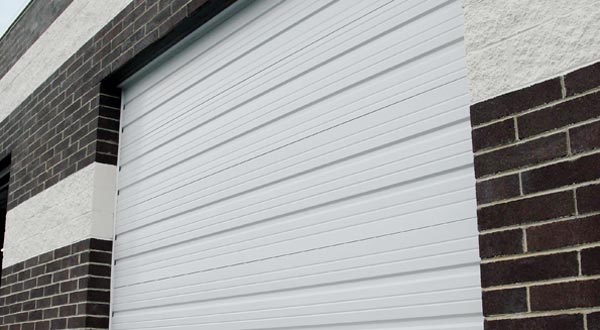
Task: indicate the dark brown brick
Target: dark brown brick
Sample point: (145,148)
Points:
(62,252)
(81,246)
(58,324)
(507,301)
(35,315)
(36,293)
(42,325)
(515,102)
(577,294)
(585,138)
(94,283)
(561,174)
(108,124)
(583,79)
(590,261)
(76,322)
(97,322)
(529,269)
(53,266)
(21,317)
(528,210)
(60,300)
(29,305)
(79,271)
(106,159)
(16,308)
(563,234)
(29,284)
(110,101)
(68,310)
(501,243)
(494,135)
(560,115)
(50,313)
(111,113)
(77,297)
(529,153)
(98,296)
(51,289)
(60,276)
(43,303)
(587,199)
(497,189)
(593,321)
(96,257)
(561,322)
(68,286)
(94,309)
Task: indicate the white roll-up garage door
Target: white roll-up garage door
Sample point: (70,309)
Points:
(301,164)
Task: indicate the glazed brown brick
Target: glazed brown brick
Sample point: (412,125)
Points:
(528,210)
(560,322)
(585,138)
(590,261)
(494,135)
(560,115)
(583,79)
(498,189)
(565,173)
(528,153)
(516,102)
(507,301)
(529,269)
(587,199)
(560,296)
(501,243)
(593,321)
(563,234)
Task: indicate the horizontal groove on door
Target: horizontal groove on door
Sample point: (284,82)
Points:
(302,165)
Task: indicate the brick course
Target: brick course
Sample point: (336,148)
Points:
(538,205)
(65,288)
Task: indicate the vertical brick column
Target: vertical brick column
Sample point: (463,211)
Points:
(537,163)
(109,115)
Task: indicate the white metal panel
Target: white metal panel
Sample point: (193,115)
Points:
(301,164)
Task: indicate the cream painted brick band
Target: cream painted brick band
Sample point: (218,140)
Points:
(71,30)
(512,44)
(76,208)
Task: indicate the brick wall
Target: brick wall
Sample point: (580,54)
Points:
(65,288)
(537,163)
(55,131)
